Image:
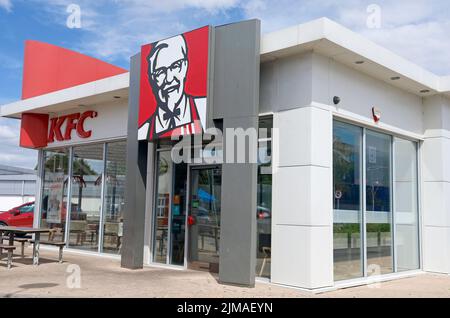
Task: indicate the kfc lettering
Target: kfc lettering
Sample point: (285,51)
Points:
(73,122)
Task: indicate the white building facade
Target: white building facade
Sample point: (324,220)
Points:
(360,183)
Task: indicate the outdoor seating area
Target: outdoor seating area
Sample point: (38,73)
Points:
(16,235)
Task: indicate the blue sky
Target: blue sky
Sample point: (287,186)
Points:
(113,30)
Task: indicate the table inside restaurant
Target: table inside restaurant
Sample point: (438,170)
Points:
(12,231)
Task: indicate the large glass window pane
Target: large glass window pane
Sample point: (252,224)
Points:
(161,217)
(86,196)
(178,223)
(114,201)
(406,205)
(204,213)
(378,203)
(54,197)
(264,201)
(347,145)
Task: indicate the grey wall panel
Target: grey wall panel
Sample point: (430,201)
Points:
(134,215)
(236,69)
(30,188)
(238,215)
(236,102)
(286,83)
(11,187)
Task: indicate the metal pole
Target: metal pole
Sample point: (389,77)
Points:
(102,201)
(69,196)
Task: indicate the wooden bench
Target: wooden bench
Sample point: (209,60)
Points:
(21,240)
(52,243)
(10,250)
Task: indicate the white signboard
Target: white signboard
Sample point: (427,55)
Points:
(372,155)
(55,199)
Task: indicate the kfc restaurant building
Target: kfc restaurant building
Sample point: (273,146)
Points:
(351,185)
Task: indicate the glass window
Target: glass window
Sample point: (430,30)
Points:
(406,205)
(27,208)
(86,196)
(391,193)
(178,222)
(114,201)
(54,196)
(347,242)
(164,170)
(264,201)
(204,213)
(378,203)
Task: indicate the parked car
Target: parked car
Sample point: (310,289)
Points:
(263,212)
(21,216)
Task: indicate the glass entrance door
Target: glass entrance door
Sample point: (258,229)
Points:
(204,218)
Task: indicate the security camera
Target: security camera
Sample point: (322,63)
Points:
(336,100)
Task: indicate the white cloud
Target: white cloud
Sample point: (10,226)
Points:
(114,30)
(176,5)
(418,30)
(6,4)
(10,152)
(6,132)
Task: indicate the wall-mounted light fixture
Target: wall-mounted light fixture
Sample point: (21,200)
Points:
(376,113)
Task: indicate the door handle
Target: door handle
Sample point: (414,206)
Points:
(191,220)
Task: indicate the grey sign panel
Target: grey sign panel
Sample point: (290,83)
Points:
(236,100)
(134,215)
(236,70)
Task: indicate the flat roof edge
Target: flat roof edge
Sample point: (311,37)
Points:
(105,85)
(326,29)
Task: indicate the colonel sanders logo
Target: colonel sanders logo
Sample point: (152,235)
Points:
(177,104)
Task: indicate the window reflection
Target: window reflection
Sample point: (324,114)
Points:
(114,197)
(378,203)
(383,154)
(406,205)
(347,144)
(164,170)
(86,197)
(178,223)
(54,197)
(264,201)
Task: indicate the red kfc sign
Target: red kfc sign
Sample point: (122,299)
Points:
(174,85)
(70,123)
(37,130)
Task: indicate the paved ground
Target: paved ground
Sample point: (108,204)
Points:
(103,277)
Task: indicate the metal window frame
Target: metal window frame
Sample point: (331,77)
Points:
(419,201)
(69,197)
(393,206)
(40,190)
(364,204)
(101,225)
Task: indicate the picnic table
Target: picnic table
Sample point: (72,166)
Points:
(11,231)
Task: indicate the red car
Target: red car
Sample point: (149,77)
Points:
(19,216)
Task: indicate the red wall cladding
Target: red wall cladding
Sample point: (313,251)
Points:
(33,130)
(48,68)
